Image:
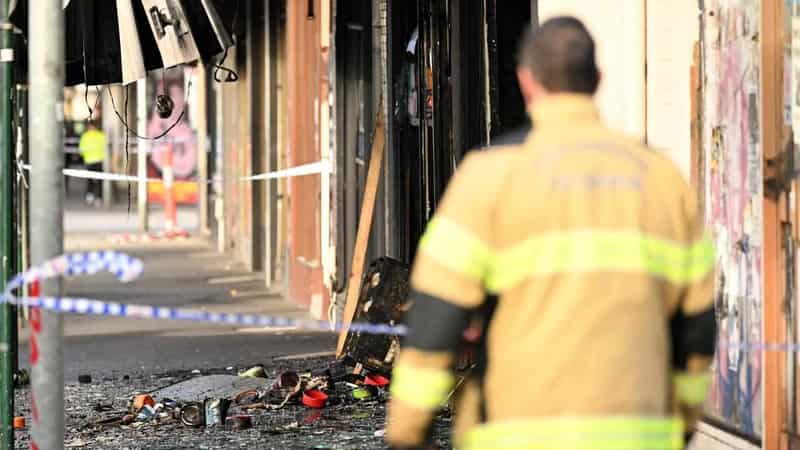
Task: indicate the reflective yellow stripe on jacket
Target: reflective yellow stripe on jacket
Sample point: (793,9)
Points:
(579,433)
(422,388)
(596,250)
(691,388)
(564,252)
(456,248)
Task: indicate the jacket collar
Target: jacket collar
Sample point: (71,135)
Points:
(563,109)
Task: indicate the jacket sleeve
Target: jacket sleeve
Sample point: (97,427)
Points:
(447,284)
(693,324)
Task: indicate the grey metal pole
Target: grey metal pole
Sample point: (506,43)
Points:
(268,99)
(201,79)
(23,154)
(107,186)
(46,106)
(113,129)
(142,148)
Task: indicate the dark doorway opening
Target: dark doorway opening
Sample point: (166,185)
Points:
(453,89)
(354,120)
(507,23)
(405,150)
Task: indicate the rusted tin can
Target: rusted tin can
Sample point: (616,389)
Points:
(192,415)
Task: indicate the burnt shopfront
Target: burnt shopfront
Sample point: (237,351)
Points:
(444,74)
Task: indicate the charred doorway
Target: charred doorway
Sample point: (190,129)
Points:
(506,23)
(454,90)
(452,87)
(405,134)
(354,121)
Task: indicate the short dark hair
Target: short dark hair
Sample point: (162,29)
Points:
(561,56)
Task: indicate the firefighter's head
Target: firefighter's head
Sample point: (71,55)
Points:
(557,57)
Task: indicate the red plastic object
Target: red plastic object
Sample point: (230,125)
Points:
(315,399)
(140,401)
(376,380)
(35,289)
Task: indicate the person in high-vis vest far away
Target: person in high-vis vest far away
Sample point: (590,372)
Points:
(594,244)
(92,146)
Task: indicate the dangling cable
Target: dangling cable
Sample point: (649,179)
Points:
(232,76)
(127,146)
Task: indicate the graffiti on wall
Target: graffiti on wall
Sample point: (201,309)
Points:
(733,195)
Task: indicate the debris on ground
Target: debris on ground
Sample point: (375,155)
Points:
(215,385)
(314,398)
(239,422)
(192,415)
(376,380)
(216,411)
(254,372)
(220,410)
(22,378)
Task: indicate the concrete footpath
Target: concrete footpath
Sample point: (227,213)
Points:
(184,273)
(708,437)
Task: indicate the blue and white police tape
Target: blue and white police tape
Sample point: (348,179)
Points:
(751,347)
(124,267)
(127,268)
(101,308)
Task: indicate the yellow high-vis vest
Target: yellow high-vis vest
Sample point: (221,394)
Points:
(93,146)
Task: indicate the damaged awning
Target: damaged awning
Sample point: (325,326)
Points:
(119,41)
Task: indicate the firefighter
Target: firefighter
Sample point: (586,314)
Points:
(604,328)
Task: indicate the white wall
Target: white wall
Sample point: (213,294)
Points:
(655,105)
(672,30)
(618,27)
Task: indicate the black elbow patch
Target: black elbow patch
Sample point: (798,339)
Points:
(692,335)
(435,325)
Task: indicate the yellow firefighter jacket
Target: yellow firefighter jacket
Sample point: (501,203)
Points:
(593,243)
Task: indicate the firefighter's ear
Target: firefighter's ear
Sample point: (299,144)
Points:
(529,86)
(599,79)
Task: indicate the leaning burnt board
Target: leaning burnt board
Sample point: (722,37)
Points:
(384,299)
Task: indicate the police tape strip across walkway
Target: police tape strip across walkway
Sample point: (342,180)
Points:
(126,269)
(319,167)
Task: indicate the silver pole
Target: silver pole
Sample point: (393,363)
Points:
(109,126)
(202,146)
(46,105)
(268,99)
(141,155)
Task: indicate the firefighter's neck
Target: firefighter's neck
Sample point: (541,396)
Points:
(544,106)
